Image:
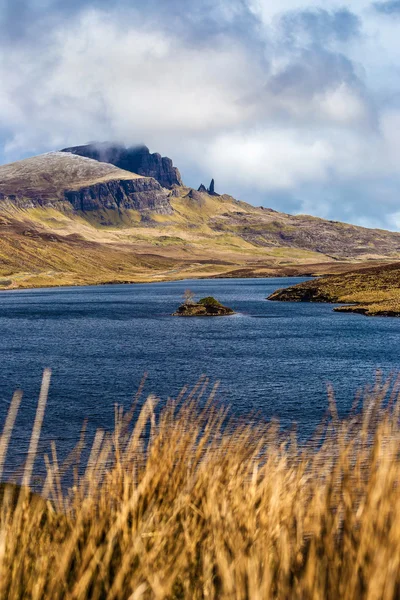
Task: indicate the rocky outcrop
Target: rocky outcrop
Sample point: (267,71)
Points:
(206,307)
(196,196)
(309,292)
(61,180)
(210,190)
(142,194)
(371,291)
(136,159)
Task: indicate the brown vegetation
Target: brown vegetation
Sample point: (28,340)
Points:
(372,291)
(184,504)
(68,220)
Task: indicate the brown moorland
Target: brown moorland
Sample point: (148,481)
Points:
(70,220)
(372,291)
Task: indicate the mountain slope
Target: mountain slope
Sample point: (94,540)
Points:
(63,214)
(260,227)
(67,181)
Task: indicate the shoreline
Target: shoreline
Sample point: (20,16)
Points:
(152,281)
(44,280)
(362,310)
(373,292)
(296,293)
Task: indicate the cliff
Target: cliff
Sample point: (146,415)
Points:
(144,194)
(61,180)
(136,159)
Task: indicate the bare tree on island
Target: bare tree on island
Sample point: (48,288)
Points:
(188,297)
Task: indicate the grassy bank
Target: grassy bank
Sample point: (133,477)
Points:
(372,291)
(211,509)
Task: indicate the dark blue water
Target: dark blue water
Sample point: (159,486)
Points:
(272,358)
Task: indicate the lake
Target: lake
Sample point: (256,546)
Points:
(272,358)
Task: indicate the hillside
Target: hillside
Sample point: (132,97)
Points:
(373,291)
(69,219)
(66,181)
(137,159)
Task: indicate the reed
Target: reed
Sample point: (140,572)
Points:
(183,502)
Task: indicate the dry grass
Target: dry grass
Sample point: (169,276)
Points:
(184,504)
(41,248)
(372,291)
(204,236)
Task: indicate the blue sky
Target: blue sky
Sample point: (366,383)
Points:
(293,105)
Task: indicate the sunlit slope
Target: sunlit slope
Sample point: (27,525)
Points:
(147,233)
(266,228)
(50,174)
(45,247)
(373,291)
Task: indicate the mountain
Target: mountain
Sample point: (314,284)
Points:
(136,159)
(69,219)
(61,180)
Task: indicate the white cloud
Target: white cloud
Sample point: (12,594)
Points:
(269,159)
(264,111)
(341,105)
(128,84)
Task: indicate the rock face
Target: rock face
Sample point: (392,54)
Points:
(62,180)
(210,190)
(136,159)
(206,307)
(143,194)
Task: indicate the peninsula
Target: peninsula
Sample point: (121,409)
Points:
(371,291)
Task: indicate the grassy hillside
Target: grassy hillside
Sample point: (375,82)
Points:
(54,172)
(45,241)
(371,291)
(210,509)
(44,247)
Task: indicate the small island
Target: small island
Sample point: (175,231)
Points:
(206,307)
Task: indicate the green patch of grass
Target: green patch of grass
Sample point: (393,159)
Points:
(210,301)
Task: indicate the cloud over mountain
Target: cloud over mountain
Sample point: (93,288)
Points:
(293,107)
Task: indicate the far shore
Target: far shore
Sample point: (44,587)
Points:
(26,281)
(146,281)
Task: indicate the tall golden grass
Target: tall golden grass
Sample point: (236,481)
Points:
(183,503)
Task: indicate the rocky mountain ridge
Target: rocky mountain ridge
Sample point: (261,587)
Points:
(63,180)
(210,190)
(63,214)
(71,182)
(136,159)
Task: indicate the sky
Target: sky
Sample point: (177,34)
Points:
(293,105)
